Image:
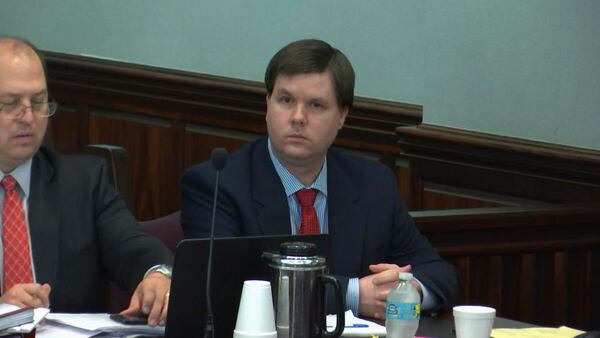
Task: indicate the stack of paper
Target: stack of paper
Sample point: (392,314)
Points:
(94,323)
(535,332)
(11,316)
(38,315)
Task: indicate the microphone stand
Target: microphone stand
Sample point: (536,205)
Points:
(210,330)
(218,158)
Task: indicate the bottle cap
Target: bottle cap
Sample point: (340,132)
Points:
(405,276)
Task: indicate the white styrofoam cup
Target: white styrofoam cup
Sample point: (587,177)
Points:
(255,317)
(473,321)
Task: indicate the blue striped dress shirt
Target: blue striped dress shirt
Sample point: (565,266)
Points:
(291,185)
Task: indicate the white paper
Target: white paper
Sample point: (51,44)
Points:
(50,329)
(100,322)
(372,329)
(7,308)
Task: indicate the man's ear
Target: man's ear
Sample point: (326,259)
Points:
(267,97)
(344,113)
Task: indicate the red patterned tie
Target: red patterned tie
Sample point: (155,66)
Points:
(309,223)
(16,267)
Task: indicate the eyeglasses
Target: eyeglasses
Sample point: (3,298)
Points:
(16,110)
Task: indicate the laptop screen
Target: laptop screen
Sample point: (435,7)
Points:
(234,261)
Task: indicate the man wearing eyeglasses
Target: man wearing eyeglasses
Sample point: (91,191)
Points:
(64,228)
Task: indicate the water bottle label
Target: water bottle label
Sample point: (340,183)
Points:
(402,311)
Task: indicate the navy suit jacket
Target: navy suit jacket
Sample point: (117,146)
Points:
(82,233)
(368,224)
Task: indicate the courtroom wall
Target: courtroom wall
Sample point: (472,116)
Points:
(525,69)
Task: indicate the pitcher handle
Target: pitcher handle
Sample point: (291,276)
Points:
(339,304)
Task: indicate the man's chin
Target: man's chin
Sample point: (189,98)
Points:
(296,153)
(24,153)
(299,157)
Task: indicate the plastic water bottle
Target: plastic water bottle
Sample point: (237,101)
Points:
(403,309)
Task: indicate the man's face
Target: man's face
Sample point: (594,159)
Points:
(303,118)
(22,81)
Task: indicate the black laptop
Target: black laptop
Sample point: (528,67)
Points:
(234,261)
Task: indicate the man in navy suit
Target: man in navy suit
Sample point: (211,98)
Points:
(310,89)
(67,226)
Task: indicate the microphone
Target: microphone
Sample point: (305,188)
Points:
(218,158)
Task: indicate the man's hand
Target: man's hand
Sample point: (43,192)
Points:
(375,287)
(151,298)
(28,295)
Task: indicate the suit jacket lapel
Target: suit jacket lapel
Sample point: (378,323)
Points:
(346,221)
(270,201)
(44,222)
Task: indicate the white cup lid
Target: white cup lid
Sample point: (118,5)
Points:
(473,311)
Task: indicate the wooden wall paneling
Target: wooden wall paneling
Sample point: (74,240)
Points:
(154,163)
(68,128)
(576,273)
(502,165)
(416,186)
(580,288)
(511,286)
(510,229)
(403,181)
(480,276)
(485,276)
(528,288)
(545,289)
(463,269)
(509,184)
(501,152)
(201,140)
(495,285)
(592,296)
(560,291)
(421,194)
(438,197)
(528,263)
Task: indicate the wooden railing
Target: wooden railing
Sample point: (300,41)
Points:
(536,264)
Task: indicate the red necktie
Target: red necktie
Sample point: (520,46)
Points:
(309,223)
(16,267)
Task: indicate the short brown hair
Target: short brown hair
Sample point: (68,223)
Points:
(314,56)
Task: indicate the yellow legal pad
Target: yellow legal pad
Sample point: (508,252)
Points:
(537,332)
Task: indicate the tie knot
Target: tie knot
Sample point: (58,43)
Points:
(306,197)
(9,183)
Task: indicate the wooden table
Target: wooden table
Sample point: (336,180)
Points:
(443,328)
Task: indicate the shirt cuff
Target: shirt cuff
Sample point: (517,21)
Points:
(352,295)
(428,302)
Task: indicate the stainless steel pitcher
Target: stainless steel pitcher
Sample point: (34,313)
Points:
(299,291)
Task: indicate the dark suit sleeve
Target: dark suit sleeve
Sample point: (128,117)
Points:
(196,203)
(369,224)
(408,246)
(197,189)
(126,251)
